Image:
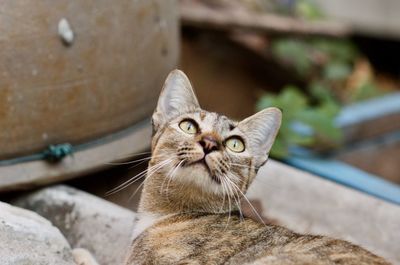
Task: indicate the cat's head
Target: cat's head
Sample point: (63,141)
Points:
(205,151)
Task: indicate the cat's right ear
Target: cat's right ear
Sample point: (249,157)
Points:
(177,97)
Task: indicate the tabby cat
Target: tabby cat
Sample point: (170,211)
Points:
(202,164)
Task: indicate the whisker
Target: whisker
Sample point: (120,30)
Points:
(171,177)
(136,190)
(168,175)
(223,182)
(223,198)
(251,205)
(132,155)
(237,199)
(165,179)
(126,183)
(138,164)
(134,161)
(138,176)
(128,162)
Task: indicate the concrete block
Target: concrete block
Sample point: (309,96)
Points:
(87,221)
(26,238)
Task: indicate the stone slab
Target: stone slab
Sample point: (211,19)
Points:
(26,238)
(87,221)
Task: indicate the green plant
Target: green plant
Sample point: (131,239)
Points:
(308,10)
(304,9)
(334,73)
(296,108)
(293,53)
(327,62)
(309,58)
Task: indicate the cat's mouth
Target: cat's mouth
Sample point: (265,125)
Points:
(202,162)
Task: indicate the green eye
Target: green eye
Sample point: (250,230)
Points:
(235,144)
(188,126)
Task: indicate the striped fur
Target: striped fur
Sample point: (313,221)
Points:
(191,198)
(223,239)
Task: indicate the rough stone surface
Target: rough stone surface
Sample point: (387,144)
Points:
(26,238)
(87,221)
(309,204)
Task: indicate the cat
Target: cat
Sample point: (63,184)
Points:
(202,164)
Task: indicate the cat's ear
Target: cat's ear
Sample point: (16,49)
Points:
(262,128)
(177,97)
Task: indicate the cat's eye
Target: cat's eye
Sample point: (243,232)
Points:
(188,126)
(235,144)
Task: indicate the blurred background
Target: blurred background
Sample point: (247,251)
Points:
(79,82)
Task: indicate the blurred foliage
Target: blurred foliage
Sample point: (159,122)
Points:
(305,9)
(308,10)
(332,72)
(334,75)
(307,57)
(296,108)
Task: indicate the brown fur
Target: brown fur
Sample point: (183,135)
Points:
(195,195)
(220,239)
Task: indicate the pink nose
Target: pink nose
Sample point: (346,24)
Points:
(209,144)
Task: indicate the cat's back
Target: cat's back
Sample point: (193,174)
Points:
(224,239)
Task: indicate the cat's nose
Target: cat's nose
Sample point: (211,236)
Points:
(209,144)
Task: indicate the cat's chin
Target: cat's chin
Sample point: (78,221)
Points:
(202,165)
(200,175)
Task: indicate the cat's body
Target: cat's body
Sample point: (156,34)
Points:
(223,239)
(202,164)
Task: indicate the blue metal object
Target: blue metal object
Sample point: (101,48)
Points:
(349,176)
(340,172)
(369,110)
(360,112)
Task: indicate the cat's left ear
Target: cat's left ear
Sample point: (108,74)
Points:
(262,128)
(177,97)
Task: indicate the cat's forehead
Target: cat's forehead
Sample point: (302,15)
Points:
(211,121)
